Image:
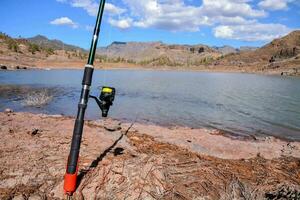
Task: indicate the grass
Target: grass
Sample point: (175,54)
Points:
(38,98)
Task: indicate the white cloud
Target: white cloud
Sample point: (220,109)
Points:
(231,19)
(223,32)
(91,6)
(251,32)
(89,28)
(122,24)
(231,8)
(176,15)
(114,10)
(64,21)
(274,4)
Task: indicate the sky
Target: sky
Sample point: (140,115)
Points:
(211,22)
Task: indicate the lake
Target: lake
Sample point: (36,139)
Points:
(241,104)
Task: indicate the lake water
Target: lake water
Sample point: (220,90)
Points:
(242,104)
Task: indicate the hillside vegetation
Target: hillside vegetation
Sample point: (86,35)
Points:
(53,44)
(281,56)
(160,54)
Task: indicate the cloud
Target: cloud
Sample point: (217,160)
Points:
(251,32)
(114,10)
(89,28)
(122,24)
(176,15)
(91,6)
(64,21)
(274,4)
(231,19)
(231,8)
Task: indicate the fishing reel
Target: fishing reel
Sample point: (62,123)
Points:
(105,100)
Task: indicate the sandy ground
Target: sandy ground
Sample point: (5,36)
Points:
(138,161)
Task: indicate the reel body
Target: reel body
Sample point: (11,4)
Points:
(105,100)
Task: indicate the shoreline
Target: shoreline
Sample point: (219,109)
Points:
(178,133)
(157,70)
(76,65)
(134,161)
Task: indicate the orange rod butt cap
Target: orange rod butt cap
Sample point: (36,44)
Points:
(70,183)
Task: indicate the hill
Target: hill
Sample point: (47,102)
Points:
(53,44)
(15,53)
(280,54)
(158,53)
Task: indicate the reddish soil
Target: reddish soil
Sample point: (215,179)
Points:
(135,161)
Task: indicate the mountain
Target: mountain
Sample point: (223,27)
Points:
(53,44)
(226,49)
(279,49)
(156,53)
(18,53)
(247,48)
(281,55)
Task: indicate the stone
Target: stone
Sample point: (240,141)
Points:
(112,126)
(35,197)
(8,110)
(19,197)
(3,67)
(35,132)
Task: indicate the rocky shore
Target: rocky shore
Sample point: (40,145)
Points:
(139,161)
(12,67)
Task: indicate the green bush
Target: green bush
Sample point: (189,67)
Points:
(13,45)
(50,51)
(33,48)
(161,61)
(3,36)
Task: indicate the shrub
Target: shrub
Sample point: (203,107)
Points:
(33,48)
(50,51)
(13,45)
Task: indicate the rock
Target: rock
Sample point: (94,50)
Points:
(8,183)
(8,110)
(24,67)
(3,67)
(35,132)
(35,197)
(112,126)
(19,197)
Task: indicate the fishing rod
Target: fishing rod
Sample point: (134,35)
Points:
(104,102)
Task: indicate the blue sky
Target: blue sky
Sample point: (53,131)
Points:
(211,22)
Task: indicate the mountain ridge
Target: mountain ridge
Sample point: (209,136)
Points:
(54,44)
(281,56)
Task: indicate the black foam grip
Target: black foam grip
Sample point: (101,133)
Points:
(87,77)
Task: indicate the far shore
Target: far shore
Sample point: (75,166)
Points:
(127,66)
